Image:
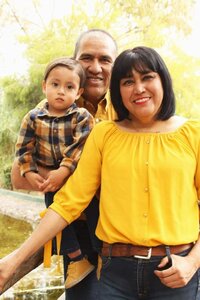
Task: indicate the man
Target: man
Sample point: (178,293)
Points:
(96,50)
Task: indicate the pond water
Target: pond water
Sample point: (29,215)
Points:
(12,232)
(41,283)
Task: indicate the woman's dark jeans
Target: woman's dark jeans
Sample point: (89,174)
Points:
(133,279)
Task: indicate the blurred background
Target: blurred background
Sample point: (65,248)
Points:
(33,32)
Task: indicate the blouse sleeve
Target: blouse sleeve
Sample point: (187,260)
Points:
(197,175)
(77,192)
(194,141)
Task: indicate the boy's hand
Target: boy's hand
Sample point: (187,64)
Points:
(35,179)
(55,179)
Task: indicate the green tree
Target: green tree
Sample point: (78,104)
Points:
(154,23)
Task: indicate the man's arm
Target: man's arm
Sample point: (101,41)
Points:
(20,182)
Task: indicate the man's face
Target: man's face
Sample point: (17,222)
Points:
(96,54)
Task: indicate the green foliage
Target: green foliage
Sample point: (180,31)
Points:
(158,24)
(5,175)
(7,136)
(186,74)
(19,95)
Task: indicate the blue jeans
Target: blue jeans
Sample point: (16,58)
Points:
(70,240)
(133,279)
(81,234)
(87,289)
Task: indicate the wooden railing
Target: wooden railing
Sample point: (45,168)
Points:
(30,264)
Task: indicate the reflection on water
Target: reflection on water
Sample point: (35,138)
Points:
(41,283)
(12,232)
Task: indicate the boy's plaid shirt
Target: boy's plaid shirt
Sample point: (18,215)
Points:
(52,141)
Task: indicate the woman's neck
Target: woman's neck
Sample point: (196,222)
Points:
(153,126)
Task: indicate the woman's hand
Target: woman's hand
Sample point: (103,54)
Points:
(7,268)
(182,270)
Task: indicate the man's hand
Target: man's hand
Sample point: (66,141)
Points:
(182,270)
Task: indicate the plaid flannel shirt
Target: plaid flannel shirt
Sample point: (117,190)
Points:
(52,141)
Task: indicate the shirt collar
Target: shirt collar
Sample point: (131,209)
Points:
(101,108)
(43,111)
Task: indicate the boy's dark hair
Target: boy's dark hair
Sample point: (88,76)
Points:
(70,64)
(88,32)
(142,59)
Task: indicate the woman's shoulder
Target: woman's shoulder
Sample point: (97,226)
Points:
(190,132)
(104,125)
(179,123)
(103,129)
(192,125)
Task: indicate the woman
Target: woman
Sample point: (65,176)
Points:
(148,203)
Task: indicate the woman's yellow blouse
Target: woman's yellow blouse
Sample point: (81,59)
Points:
(150,185)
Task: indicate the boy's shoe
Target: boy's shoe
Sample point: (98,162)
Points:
(77,271)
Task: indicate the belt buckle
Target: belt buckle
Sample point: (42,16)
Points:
(148,256)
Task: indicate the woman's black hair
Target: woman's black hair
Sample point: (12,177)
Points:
(141,59)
